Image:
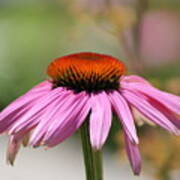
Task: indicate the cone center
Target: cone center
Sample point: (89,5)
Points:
(89,72)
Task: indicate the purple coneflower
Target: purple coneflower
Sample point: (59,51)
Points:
(87,85)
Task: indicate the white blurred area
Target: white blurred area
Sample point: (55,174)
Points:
(62,162)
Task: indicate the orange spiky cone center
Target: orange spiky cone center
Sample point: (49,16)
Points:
(86,71)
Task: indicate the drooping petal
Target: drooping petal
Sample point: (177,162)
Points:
(133,154)
(47,118)
(13,148)
(33,115)
(174,118)
(123,110)
(100,119)
(68,120)
(64,113)
(71,127)
(10,119)
(166,103)
(170,101)
(20,106)
(149,111)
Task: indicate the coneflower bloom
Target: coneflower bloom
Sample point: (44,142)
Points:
(87,85)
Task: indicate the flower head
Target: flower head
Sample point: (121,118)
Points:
(81,85)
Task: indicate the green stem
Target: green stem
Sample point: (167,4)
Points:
(98,165)
(92,158)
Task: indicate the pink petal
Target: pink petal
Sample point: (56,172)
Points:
(123,110)
(7,122)
(13,148)
(149,111)
(47,118)
(19,107)
(64,113)
(33,115)
(169,114)
(172,102)
(133,154)
(100,119)
(72,126)
(66,122)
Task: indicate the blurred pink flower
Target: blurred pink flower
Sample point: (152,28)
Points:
(82,85)
(160,37)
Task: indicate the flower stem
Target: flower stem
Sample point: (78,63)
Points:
(92,158)
(98,165)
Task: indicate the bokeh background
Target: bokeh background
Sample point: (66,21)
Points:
(145,34)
